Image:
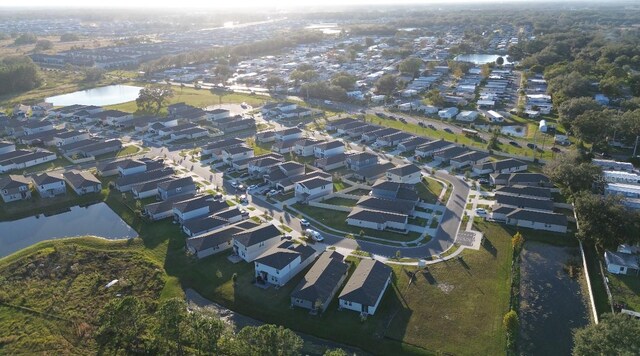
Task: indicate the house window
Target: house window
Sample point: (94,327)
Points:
(179,189)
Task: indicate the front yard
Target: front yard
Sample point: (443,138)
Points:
(429,190)
(625,290)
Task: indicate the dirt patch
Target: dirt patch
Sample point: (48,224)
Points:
(446,288)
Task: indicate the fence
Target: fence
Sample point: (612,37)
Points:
(594,311)
(329,206)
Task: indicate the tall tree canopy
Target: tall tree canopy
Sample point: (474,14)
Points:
(616,334)
(18,74)
(153,98)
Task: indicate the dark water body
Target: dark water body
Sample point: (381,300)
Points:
(552,303)
(97,219)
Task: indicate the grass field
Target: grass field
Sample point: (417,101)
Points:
(429,190)
(625,289)
(199,98)
(340,201)
(125,151)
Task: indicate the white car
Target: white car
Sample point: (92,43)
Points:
(481,211)
(304,222)
(253,186)
(314,235)
(234,184)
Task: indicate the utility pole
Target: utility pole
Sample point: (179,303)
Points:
(635,147)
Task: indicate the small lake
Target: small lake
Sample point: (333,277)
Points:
(477,58)
(102,96)
(97,219)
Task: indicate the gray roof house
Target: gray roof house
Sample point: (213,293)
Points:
(364,290)
(321,283)
(82,182)
(216,241)
(281,263)
(14,187)
(622,263)
(49,185)
(177,186)
(252,243)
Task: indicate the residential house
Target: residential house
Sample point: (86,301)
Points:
(469,159)
(328,149)
(467,116)
(504,166)
(321,283)
(266,136)
(197,206)
(216,241)
(177,186)
(377,220)
(625,261)
(82,182)
(14,187)
(366,286)
(412,143)
(253,242)
(293,133)
(408,173)
(393,139)
(124,184)
(131,166)
(49,185)
(163,209)
(494,116)
(262,165)
(428,149)
(305,147)
(282,262)
(236,153)
(313,188)
(538,220)
(448,113)
(528,179)
(331,162)
(217,114)
(148,189)
(284,147)
(65,138)
(6,147)
(360,160)
(445,155)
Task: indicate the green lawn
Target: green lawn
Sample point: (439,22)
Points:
(340,185)
(429,190)
(625,289)
(340,201)
(457,307)
(199,98)
(337,220)
(125,151)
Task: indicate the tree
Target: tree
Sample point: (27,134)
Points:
(268,340)
(434,98)
(570,109)
(593,126)
(69,37)
(387,84)
(18,74)
(171,325)
(25,38)
(207,332)
(304,76)
(335,352)
(485,70)
(92,74)
(123,325)
(616,334)
(273,82)
(43,45)
(219,92)
(510,321)
(517,241)
(499,61)
(223,72)
(410,65)
(153,98)
(345,81)
(604,221)
(572,173)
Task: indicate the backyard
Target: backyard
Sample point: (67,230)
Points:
(625,290)
(429,190)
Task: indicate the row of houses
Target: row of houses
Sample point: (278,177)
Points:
(524,200)
(48,185)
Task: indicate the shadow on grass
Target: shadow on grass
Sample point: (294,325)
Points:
(489,247)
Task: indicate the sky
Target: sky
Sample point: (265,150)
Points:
(213,3)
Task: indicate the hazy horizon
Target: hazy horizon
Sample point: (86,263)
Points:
(158,4)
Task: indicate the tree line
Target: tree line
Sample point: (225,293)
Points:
(128,325)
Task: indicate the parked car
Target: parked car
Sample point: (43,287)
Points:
(514,143)
(483,181)
(531,145)
(481,211)
(448,130)
(241,187)
(314,235)
(252,187)
(234,184)
(431,127)
(243,199)
(244,175)
(218,196)
(421,124)
(379,114)
(555,149)
(304,222)
(402,120)
(272,192)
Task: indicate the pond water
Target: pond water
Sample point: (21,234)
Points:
(551,302)
(109,95)
(97,219)
(478,58)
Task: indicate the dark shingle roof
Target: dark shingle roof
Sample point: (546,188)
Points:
(524,202)
(367,283)
(282,255)
(538,216)
(518,190)
(405,170)
(376,216)
(47,178)
(322,278)
(257,235)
